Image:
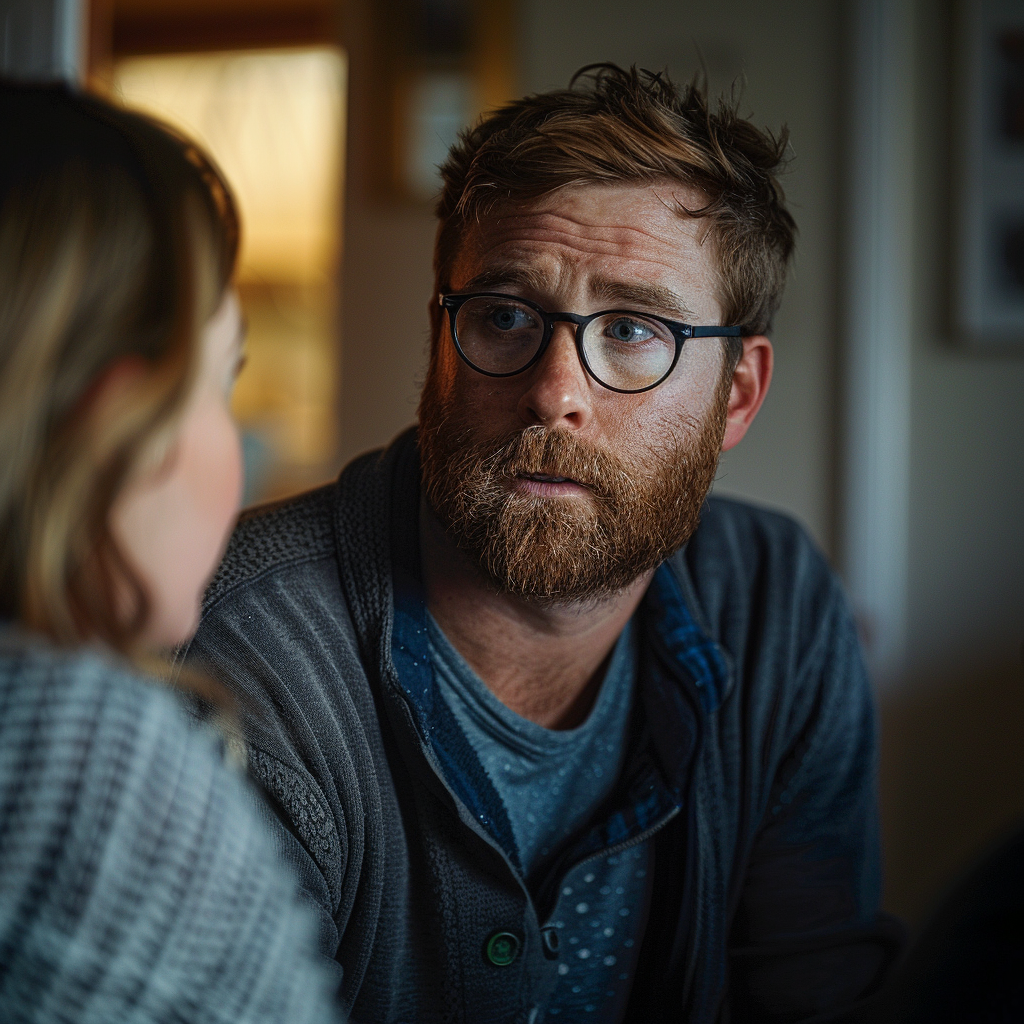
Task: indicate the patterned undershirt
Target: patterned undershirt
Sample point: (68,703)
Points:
(551,782)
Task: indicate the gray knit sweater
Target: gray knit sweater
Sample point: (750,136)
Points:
(136,882)
(766,869)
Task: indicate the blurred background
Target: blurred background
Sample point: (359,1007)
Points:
(895,425)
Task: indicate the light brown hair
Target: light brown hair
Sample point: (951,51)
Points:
(615,126)
(117,240)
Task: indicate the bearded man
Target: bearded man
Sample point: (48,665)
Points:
(540,746)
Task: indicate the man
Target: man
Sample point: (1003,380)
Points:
(540,747)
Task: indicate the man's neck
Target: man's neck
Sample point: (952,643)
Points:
(543,661)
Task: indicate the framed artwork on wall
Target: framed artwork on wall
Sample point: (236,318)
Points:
(989,235)
(442,63)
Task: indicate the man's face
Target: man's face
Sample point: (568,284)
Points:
(559,488)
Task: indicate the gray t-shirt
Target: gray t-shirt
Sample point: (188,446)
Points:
(552,782)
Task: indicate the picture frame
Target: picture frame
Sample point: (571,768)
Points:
(989,150)
(442,64)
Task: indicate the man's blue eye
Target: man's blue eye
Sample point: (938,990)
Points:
(629,331)
(510,318)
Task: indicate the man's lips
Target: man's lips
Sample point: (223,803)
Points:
(546,478)
(548,484)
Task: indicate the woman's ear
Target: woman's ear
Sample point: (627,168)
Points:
(111,396)
(105,396)
(750,382)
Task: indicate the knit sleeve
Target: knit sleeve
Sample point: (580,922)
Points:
(136,883)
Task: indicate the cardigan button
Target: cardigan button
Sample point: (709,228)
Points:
(549,939)
(502,948)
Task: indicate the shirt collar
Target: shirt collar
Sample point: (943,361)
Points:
(684,640)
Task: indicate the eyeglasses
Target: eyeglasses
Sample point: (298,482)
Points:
(628,352)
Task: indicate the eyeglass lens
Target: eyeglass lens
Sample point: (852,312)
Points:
(623,350)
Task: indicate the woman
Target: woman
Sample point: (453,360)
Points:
(136,883)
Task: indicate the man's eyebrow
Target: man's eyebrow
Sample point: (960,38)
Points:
(510,274)
(641,296)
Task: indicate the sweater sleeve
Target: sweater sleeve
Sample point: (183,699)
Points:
(808,939)
(136,882)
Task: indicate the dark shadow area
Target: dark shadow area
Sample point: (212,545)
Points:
(968,966)
(952,778)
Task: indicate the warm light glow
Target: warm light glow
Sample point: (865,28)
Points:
(274,122)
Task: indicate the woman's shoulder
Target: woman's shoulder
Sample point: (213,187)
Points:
(54,699)
(95,750)
(86,735)
(28,660)
(128,840)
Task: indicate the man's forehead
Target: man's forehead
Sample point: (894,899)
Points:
(628,242)
(614,218)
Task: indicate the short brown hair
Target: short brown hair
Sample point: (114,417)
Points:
(614,126)
(117,240)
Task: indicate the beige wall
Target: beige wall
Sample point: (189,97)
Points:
(953,752)
(386,276)
(953,729)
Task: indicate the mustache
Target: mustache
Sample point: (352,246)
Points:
(538,451)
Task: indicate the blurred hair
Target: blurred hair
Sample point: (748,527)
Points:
(117,240)
(613,126)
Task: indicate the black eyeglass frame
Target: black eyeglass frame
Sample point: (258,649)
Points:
(454,301)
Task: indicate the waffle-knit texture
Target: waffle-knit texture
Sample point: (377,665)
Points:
(288,532)
(137,883)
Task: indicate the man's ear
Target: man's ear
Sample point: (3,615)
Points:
(750,382)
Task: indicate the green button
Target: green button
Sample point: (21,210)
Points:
(502,948)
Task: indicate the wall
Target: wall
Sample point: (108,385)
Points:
(42,40)
(386,278)
(953,730)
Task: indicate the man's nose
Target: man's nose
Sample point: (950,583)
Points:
(559,393)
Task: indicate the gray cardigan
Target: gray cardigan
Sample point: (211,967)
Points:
(753,762)
(136,884)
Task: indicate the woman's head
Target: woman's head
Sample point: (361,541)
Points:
(119,474)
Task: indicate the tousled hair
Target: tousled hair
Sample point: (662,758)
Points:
(117,240)
(616,126)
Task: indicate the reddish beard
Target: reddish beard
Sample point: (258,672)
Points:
(641,506)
